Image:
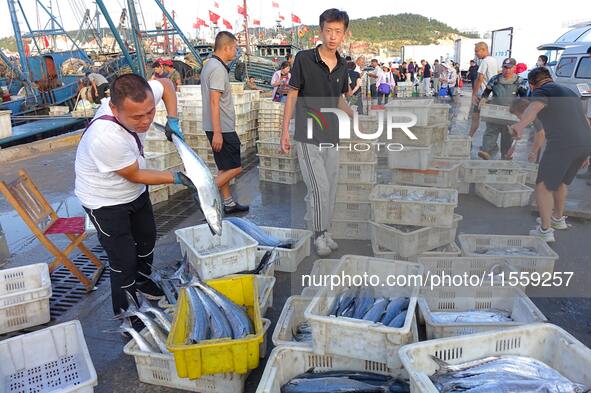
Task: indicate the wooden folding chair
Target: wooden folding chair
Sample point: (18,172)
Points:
(38,214)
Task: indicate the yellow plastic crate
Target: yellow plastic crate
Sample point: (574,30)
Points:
(221,355)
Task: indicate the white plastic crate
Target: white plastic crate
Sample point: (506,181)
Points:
(160,369)
(427,113)
(542,341)
(412,157)
(24,297)
(272,148)
(492,171)
(320,267)
(456,147)
(237,250)
(347,154)
(54,359)
(531,168)
(285,363)
(358,338)
(463,187)
(440,173)
(498,114)
(505,195)
(269,105)
(410,212)
(357,172)
(354,192)
(277,176)
(414,242)
(463,298)
(355,211)
(273,134)
(162,161)
(198,141)
(542,262)
(158,145)
(289,259)
(236,87)
(265,285)
(279,163)
(291,316)
(449,250)
(349,229)
(426,135)
(159,195)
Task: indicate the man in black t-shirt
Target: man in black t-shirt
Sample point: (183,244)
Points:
(355,87)
(319,79)
(426,77)
(568,143)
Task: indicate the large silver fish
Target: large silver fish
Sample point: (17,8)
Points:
(141,342)
(197,317)
(471,316)
(161,317)
(219,326)
(157,334)
(207,190)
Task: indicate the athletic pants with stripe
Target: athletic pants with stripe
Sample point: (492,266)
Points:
(320,170)
(127,232)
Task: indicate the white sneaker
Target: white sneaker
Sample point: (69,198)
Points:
(547,235)
(555,223)
(322,248)
(330,242)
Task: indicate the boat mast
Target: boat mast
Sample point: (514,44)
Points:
(137,38)
(117,36)
(246,29)
(19,40)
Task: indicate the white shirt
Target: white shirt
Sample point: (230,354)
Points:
(104,149)
(489,68)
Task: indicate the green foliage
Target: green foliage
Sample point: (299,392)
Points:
(412,28)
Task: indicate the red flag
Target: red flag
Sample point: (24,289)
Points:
(227,24)
(45,41)
(216,5)
(199,23)
(241,10)
(213,17)
(196,25)
(281,17)
(256,22)
(275,5)
(295,18)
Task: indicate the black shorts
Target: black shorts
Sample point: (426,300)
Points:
(560,166)
(229,156)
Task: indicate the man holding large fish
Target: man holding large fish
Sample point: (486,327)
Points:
(111,180)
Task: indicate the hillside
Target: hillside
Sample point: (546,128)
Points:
(407,28)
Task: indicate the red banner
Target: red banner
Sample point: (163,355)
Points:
(256,22)
(213,17)
(227,24)
(295,18)
(275,5)
(281,17)
(199,23)
(241,10)
(216,5)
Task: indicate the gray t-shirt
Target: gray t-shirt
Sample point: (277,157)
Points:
(214,76)
(98,79)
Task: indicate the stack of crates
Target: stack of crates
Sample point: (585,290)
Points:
(246,109)
(275,166)
(357,177)
(160,154)
(270,117)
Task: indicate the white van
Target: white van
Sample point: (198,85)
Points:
(573,69)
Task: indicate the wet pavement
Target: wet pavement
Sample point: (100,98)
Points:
(281,206)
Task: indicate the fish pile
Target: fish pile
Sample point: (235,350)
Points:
(154,319)
(404,228)
(303,332)
(335,381)
(415,196)
(359,303)
(258,234)
(471,316)
(212,315)
(171,283)
(502,374)
(507,251)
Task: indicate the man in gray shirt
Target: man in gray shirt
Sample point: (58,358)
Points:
(436,76)
(99,84)
(219,117)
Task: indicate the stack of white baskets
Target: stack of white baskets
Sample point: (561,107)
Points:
(161,155)
(270,117)
(357,177)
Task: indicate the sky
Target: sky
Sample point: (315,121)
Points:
(534,22)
